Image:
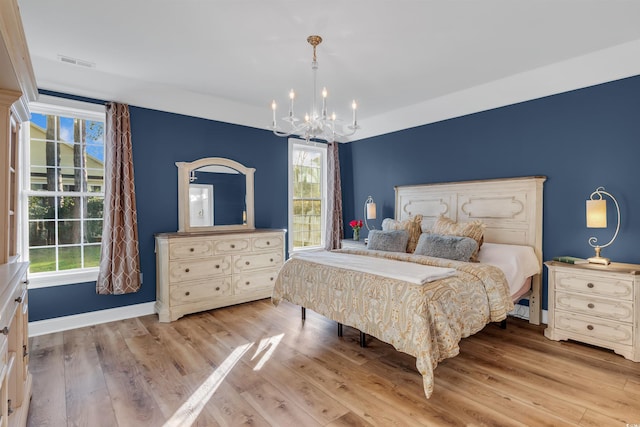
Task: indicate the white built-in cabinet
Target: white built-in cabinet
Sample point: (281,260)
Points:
(17,89)
(206,270)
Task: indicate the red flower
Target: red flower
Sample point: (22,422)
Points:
(356,224)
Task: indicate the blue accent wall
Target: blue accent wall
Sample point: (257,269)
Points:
(579,140)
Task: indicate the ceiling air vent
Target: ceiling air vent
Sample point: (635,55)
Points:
(74,61)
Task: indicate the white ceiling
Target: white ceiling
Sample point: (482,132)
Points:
(406,62)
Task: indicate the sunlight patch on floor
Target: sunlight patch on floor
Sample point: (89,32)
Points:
(190,410)
(268,345)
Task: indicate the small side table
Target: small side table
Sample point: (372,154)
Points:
(596,304)
(353,244)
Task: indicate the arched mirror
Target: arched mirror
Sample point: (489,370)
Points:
(215,193)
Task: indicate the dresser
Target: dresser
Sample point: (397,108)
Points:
(200,271)
(15,379)
(595,304)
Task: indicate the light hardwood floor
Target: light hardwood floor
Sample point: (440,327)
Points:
(255,364)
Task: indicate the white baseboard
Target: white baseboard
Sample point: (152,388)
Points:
(522,312)
(58,324)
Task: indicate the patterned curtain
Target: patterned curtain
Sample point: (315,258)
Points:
(120,260)
(335,229)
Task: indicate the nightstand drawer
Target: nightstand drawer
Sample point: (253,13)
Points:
(610,285)
(621,311)
(594,327)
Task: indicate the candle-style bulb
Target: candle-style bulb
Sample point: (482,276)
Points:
(292,94)
(273,105)
(324,92)
(354,105)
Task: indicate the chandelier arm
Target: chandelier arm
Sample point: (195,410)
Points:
(599,192)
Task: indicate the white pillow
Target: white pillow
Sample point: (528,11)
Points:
(517,262)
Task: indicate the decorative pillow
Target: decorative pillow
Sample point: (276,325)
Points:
(412,225)
(473,229)
(390,241)
(457,248)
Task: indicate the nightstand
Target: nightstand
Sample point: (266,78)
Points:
(353,244)
(595,304)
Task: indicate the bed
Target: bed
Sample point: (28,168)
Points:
(421,313)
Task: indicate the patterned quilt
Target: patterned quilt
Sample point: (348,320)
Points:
(426,321)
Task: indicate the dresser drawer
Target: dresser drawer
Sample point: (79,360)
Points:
(230,246)
(621,311)
(268,242)
(187,270)
(201,290)
(256,261)
(190,249)
(597,285)
(248,282)
(594,327)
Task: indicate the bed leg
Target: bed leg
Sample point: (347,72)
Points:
(339,329)
(363,339)
(503,324)
(304,313)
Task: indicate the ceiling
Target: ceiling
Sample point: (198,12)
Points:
(406,63)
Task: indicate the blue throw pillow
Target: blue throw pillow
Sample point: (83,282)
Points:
(457,248)
(390,241)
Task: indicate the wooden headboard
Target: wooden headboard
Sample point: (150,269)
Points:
(511,209)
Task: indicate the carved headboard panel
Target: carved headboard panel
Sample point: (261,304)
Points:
(511,209)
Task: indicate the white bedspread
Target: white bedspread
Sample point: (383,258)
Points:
(407,271)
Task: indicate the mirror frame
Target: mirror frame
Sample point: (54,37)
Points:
(185,169)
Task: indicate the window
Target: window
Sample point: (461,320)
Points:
(307,194)
(63,191)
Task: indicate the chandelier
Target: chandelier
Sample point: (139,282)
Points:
(317,123)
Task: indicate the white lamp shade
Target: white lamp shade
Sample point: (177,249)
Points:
(597,213)
(371,210)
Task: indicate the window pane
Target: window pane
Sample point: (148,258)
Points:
(93,231)
(95,206)
(69,232)
(70,257)
(42,260)
(42,233)
(41,207)
(92,256)
(69,207)
(66,129)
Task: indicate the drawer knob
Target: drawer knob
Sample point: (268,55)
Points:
(590,305)
(217,265)
(19,299)
(589,285)
(26,282)
(247,263)
(590,327)
(268,243)
(217,288)
(271,259)
(186,270)
(5,330)
(247,283)
(191,249)
(271,278)
(187,293)
(233,246)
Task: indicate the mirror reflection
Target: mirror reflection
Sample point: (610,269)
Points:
(212,186)
(215,193)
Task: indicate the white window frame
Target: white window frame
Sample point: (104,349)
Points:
(67,108)
(321,148)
